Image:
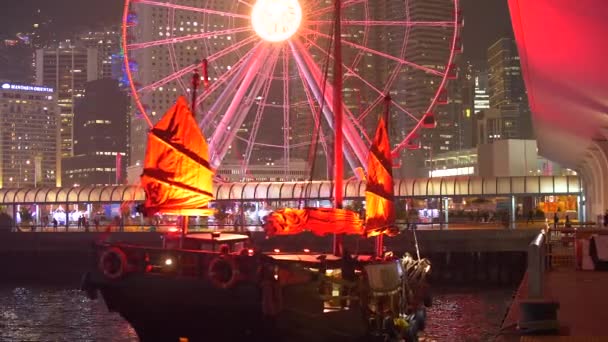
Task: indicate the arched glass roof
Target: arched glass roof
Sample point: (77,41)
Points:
(419,187)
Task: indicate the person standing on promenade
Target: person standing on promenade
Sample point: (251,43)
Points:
(530,217)
(555,220)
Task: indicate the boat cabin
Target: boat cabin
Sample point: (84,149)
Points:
(212,242)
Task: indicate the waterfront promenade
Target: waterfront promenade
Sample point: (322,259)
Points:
(583,310)
(583,304)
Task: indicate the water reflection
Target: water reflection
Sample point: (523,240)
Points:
(54,314)
(47,314)
(467,314)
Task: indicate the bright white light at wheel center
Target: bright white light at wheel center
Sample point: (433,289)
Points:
(276,20)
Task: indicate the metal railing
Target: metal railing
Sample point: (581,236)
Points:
(537,252)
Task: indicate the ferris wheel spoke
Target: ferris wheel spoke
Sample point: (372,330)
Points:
(245,3)
(329,9)
(188,69)
(167,79)
(233,76)
(187,38)
(381,54)
(367,83)
(190,8)
(312,75)
(258,116)
(233,117)
(399,23)
(317,131)
(406,141)
(286,107)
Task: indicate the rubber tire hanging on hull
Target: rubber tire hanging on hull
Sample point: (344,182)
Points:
(215,273)
(106,263)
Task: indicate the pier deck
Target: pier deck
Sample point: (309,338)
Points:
(583,311)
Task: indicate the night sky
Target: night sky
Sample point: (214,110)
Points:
(69,16)
(485,20)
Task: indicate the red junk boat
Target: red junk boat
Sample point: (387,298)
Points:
(208,286)
(211,286)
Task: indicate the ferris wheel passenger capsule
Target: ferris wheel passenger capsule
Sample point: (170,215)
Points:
(429,120)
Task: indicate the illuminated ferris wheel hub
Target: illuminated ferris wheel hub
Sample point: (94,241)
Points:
(276,20)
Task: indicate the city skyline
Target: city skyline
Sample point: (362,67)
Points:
(451,127)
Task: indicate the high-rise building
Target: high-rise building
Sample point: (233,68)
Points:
(29,136)
(507,122)
(507,89)
(66,68)
(15,61)
(429,47)
(482,98)
(505,81)
(107,43)
(100,136)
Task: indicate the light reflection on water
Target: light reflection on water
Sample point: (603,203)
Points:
(467,314)
(51,314)
(56,314)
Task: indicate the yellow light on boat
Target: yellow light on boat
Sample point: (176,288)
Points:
(306,250)
(168,262)
(408,258)
(276,250)
(276,20)
(427,268)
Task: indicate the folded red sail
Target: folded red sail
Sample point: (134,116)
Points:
(177,177)
(379,194)
(319,221)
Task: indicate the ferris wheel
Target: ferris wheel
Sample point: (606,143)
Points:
(270,98)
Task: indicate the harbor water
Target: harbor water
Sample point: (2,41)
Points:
(59,314)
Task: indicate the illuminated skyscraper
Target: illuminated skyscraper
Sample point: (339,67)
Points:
(100,136)
(429,47)
(482,98)
(29,136)
(507,89)
(107,43)
(66,68)
(505,81)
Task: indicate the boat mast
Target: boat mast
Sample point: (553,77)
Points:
(196,81)
(338,162)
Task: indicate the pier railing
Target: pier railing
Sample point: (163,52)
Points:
(537,252)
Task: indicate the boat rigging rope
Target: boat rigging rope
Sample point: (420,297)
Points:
(416,244)
(312,153)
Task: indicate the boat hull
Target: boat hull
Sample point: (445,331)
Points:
(163,308)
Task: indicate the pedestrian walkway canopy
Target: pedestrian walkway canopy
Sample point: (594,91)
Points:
(562,48)
(317,190)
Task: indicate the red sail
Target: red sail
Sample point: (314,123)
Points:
(379,194)
(319,221)
(177,177)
